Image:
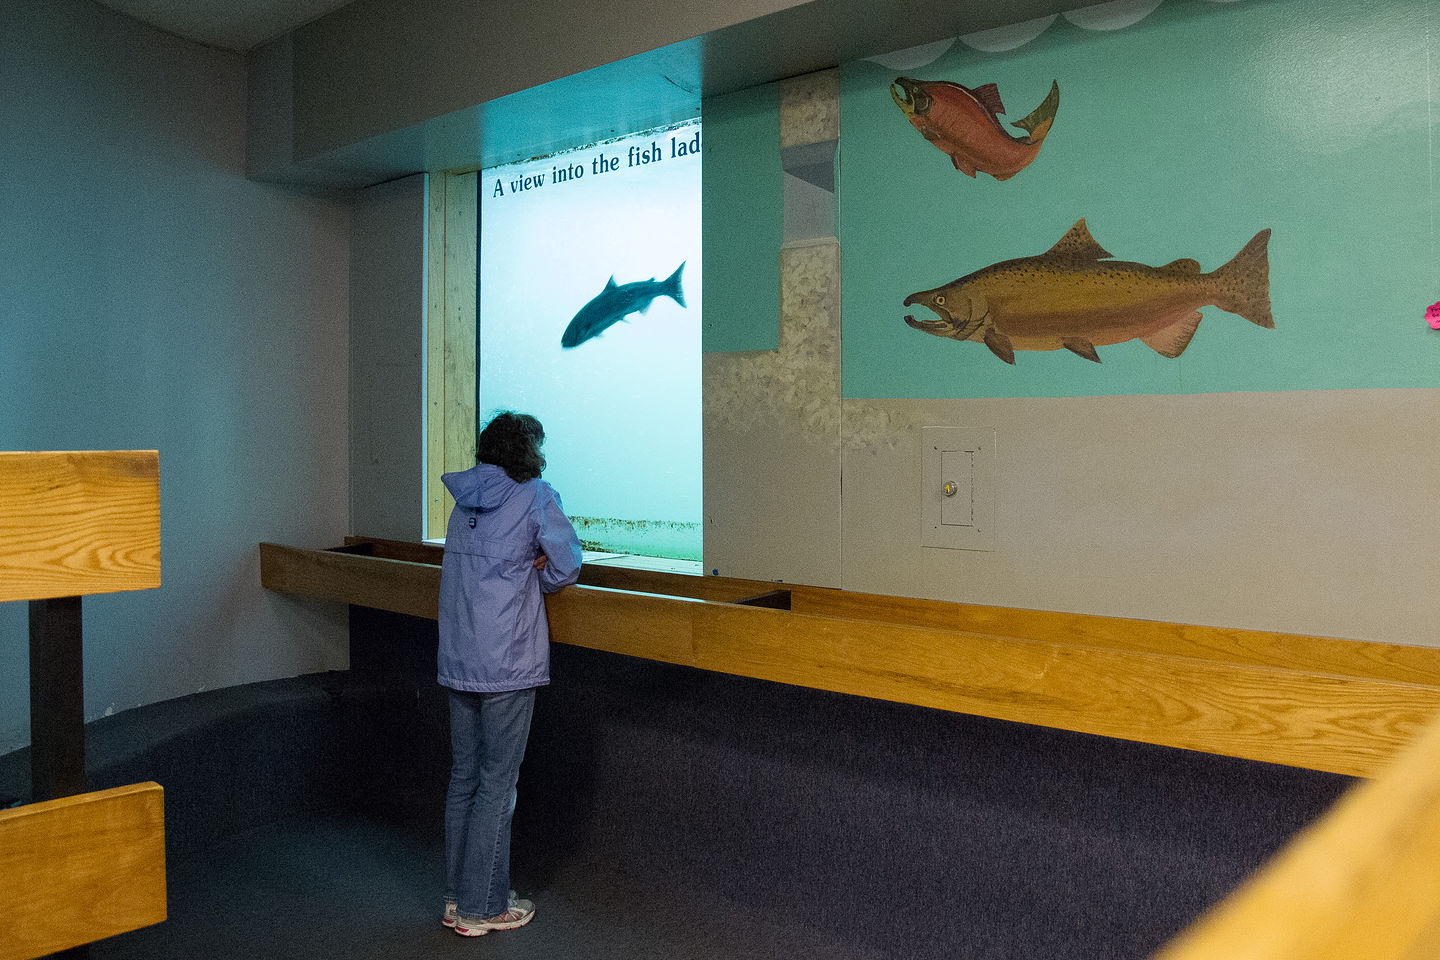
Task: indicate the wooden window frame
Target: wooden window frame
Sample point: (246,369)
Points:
(452,239)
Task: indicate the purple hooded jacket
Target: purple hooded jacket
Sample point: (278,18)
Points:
(493,632)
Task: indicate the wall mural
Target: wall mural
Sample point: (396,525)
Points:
(1074,296)
(1228,121)
(965,125)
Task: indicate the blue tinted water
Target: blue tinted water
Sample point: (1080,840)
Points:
(622,409)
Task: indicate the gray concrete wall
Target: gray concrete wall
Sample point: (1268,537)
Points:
(772,424)
(387,377)
(384,88)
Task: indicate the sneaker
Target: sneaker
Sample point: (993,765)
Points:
(518,914)
(450,915)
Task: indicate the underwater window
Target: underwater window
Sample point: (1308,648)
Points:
(589,319)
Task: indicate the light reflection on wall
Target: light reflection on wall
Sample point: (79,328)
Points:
(622,408)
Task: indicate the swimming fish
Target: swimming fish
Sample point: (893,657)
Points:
(1075,296)
(964,124)
(615,303)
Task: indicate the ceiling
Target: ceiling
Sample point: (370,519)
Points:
(228,24)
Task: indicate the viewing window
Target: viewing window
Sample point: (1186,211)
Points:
(589,318)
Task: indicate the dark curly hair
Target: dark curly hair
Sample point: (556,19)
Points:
(512,442)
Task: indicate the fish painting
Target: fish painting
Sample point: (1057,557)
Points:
(1077,297)
(965,124)
(616,302)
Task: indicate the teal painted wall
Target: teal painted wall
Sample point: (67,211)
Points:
(742,187)
(1179,136)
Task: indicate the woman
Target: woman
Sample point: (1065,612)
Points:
(508,543)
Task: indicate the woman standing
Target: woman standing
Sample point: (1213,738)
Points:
(508,543)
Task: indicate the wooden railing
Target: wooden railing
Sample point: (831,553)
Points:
(75,866)
(1317,702)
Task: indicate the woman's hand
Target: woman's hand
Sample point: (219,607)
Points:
(540,562)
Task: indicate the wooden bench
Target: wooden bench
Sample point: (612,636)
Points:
(75,867)
(81,868)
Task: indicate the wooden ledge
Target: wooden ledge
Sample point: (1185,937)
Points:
(1395,663)
(1342,724)
(399,586)
(1327,704)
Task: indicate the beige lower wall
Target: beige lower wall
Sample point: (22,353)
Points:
(1304,512)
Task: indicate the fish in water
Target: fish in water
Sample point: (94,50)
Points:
(615,303)
(1075,296)
(965,124)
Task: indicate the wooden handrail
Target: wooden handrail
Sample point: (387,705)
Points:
(1289,651)
(398,586)
(1350,725)
(1376,661)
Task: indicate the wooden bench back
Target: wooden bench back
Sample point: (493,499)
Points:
(77,523)
(81,868)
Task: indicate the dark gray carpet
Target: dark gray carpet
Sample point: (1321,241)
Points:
(338,885)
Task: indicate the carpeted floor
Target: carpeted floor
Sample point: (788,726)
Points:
(343,886)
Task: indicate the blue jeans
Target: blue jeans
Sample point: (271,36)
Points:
(488,732)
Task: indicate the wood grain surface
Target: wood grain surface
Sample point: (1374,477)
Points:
(1402,664)
(395,585)
(1360,883)
(78,523)
(1342,724)
(81,868)
(1323,703)
(452,212)
(635,624)
(1378,661)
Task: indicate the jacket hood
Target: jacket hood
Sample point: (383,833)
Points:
(482,487)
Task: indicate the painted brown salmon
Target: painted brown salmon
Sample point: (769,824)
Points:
(965,125)
(1074,296)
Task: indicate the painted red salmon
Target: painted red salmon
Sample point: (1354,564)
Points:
(964,124)
(1074,296)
